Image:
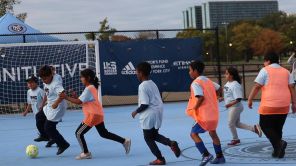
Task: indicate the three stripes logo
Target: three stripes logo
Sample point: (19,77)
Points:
(129,69)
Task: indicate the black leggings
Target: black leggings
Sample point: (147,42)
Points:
(53,133)
(151,136)
(272,127)
(83,128)
(40,122)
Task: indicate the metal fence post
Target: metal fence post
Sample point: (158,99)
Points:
(24,38)
(244,78)
(157,34)
(218,55)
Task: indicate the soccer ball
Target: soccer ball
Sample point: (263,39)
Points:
(32,151)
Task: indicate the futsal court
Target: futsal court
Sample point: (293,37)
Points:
(16,132)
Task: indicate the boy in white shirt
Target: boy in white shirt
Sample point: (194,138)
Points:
(59,77)
(151,110)
(35,96)
(55,108)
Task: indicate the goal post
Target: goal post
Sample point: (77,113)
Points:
(19,61)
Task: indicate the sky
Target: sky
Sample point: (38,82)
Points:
(85,15)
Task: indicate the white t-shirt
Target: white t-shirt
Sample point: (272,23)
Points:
(52,92)
(59,77)
(86,96)
(35,98)
(262,77)
(197,89)
(150,95)
(292,61)
(232,91)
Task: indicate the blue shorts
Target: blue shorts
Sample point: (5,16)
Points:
(197,129)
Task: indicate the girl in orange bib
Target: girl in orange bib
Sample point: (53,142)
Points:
(277,86)
(203,108)
(93,114)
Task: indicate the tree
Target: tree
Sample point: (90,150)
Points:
(243,35)
(105,32)
(148,35)
(189,33)
(274,21)
(7,6)
(207,37)
(268,41)
(120,38)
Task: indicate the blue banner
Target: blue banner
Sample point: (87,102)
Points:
(169,58)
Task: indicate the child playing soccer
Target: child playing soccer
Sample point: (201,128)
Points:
(232,98)
(55,108)
(203,108)
(277,86)
(59,77)
(94,115)
(150,110)
(35,97)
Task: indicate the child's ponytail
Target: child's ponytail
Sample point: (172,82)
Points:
(96,82)
(91,77)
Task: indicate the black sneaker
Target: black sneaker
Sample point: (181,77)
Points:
(62,149)
(282,150)
(41,138)
(175,148)
(274,154)
(49,144)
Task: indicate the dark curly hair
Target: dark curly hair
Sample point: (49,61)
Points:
(234,73)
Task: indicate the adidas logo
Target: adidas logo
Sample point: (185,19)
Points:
(129,69)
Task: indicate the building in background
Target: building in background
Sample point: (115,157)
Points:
(215,13)
(192,17)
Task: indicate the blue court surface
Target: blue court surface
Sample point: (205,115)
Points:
(18,132)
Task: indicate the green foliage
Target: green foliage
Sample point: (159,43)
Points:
(208,37)
(7,6)
(105,32)
(275,32)
(243,36)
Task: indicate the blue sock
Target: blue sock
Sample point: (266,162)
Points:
(218,149)
(201,147)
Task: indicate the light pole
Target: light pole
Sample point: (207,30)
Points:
(291,49)
(226,39)
(207,55)
(230,51)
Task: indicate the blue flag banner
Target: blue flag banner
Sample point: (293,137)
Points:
(169,59)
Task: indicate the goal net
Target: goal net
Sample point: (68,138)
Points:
(19,61)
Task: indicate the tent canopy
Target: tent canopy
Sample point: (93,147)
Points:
(9,24)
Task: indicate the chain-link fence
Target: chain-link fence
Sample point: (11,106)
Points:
(210,54)
(209,49)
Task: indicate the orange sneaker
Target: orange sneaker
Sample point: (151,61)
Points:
(234,143)
(158,162)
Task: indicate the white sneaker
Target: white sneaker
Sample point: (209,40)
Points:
(258,130)
(83,156)
(127,145)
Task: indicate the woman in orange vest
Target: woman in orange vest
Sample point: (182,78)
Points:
(93,113)
(277,86)
(203,108)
